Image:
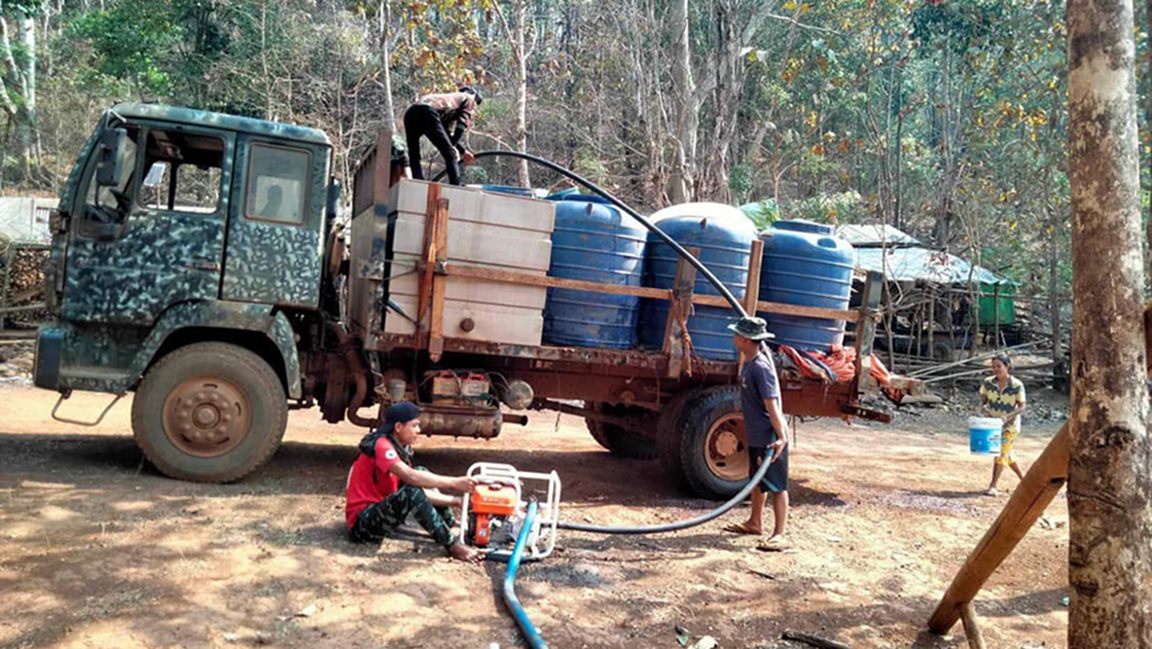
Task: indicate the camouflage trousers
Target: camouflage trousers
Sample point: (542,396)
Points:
(381,519)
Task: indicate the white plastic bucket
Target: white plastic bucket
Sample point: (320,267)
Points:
(984,435)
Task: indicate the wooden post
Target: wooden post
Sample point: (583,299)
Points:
(996,316)
(6,261)
(382,169)
(932,321)
(1039,486)
(951,293)
(681,302)
(971,628)
(752,286)
(866,329)
(430,222)
(439,283)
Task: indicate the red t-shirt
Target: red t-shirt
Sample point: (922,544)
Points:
(364,488)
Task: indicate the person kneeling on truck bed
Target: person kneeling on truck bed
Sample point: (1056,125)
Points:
(433,117)
(765,429)
(384,487)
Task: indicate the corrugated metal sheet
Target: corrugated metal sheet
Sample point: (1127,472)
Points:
(875,235)
(911,264)
(24,219)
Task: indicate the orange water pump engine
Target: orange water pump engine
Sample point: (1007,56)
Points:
(494,512)
(491,502)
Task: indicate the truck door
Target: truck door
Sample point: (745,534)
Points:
(157,237)
(275,221)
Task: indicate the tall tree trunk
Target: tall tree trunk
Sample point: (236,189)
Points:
(687,107)
(1110,474)
(943,230)
(897,214)
(521,60)
(1148,125)
(26,26)
(386,64)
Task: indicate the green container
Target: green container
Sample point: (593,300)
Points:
(988,304)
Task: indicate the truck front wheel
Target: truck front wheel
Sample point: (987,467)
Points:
(209,412)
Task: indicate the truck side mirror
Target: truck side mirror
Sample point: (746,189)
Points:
(109,166)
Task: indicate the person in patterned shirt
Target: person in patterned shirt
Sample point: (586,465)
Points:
(1002,396)
(443,119)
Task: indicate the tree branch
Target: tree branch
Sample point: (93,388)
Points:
(797,23)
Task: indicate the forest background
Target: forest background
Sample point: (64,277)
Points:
(944,118)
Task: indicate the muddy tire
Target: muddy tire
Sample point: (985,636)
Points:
(669,430)
(209,412)
(620,442)
(713,449)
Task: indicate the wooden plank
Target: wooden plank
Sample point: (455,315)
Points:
(513,277)
(439,283)
(785,309)
(429,265)
(866,329)
(1028,502)
(682,291)
(752,285)
(37,306)
(971,627)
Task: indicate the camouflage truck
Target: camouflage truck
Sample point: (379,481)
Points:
(194,262)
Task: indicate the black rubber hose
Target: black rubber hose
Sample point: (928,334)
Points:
(743,493)
(701,268)
(678,525)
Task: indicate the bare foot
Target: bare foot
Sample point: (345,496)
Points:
(743,528)
(461,552)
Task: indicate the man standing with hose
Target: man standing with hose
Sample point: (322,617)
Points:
(765,430)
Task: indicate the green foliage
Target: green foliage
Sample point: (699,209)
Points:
(763,213)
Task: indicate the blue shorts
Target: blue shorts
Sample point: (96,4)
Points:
(776,479)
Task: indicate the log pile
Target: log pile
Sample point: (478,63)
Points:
(22,270)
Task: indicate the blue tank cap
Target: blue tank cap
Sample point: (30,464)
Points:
(801,225)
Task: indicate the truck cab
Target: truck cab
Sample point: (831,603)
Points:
(189,248)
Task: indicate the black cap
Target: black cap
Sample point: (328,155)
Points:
(475,92)
(400,413)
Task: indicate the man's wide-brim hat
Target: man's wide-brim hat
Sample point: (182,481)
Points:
(751,328)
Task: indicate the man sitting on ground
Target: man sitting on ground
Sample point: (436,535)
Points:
(384,487)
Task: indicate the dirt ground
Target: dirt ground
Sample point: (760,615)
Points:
(98,550)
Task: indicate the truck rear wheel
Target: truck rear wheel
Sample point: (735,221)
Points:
(713,450)
(209,412)
(619,441)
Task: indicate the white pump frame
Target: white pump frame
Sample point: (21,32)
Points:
(542,537)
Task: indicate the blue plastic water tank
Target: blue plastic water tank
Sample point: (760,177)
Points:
(593,241)
(724,236)
(805,264)
(504,189)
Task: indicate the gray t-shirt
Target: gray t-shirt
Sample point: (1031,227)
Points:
(757,383)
